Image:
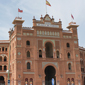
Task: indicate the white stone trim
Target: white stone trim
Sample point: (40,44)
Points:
(44,63)
(28,61)
(3,55)
(70,72)
(28,72)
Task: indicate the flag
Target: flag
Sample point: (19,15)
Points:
(20,10)
(72,16)
(47,3)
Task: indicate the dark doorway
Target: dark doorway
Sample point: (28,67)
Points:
(2,82)
(50,73)
(49,50)
(84,80)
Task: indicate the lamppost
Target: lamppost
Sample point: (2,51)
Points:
(9,57)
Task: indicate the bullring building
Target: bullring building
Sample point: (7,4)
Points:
(36,55)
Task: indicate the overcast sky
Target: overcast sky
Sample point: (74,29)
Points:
(60,9)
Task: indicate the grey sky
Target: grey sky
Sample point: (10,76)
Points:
(60,9)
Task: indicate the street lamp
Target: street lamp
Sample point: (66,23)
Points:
(9,57)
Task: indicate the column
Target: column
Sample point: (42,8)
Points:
(54,53)
(2,58)
(43,53)
(38,54)
(2,67)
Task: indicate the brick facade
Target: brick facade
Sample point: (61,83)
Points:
(41,53)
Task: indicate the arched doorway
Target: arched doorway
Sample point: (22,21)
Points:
(50,73)
(2,82)
(49,50)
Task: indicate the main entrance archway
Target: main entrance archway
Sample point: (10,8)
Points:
(2,82)
(50,73)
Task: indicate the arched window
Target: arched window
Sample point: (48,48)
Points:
(31,81)
(57,54)
(68,45)
(81,54)
(5,59)
(82,69)
(26,81)
(2,80)
(5,67)
(72,79)
(68,55)
(2,48)
(28,43)
(28,54)
(49,50)
(28,65)
(6,49)
(68,81)
(40,53)
(0,67)
(0,58)
(69,66)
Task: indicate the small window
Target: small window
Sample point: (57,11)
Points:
(28,65)
(28,54)
(0,67)
(40,53)
(82,69)
(68,55)
(5,67)
(57,54)
(68,45)
(5,59)
(72,80)
(6,49)
(81,61)
(0,58)
(2,48)
(26,81)
(31,80)
(28,43)
(68,79)
(69,66)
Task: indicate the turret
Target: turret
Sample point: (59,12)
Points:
(18,25)
(73,28)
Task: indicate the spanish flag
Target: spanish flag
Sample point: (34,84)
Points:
(47,3)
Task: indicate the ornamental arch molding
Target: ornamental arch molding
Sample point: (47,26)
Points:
(48,40)
(53,64)
(45,64)
(3,55)
(28,61)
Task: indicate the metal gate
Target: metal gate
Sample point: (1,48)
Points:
(2,83)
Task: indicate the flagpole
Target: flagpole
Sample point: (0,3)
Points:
(46,7)
(18,14)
